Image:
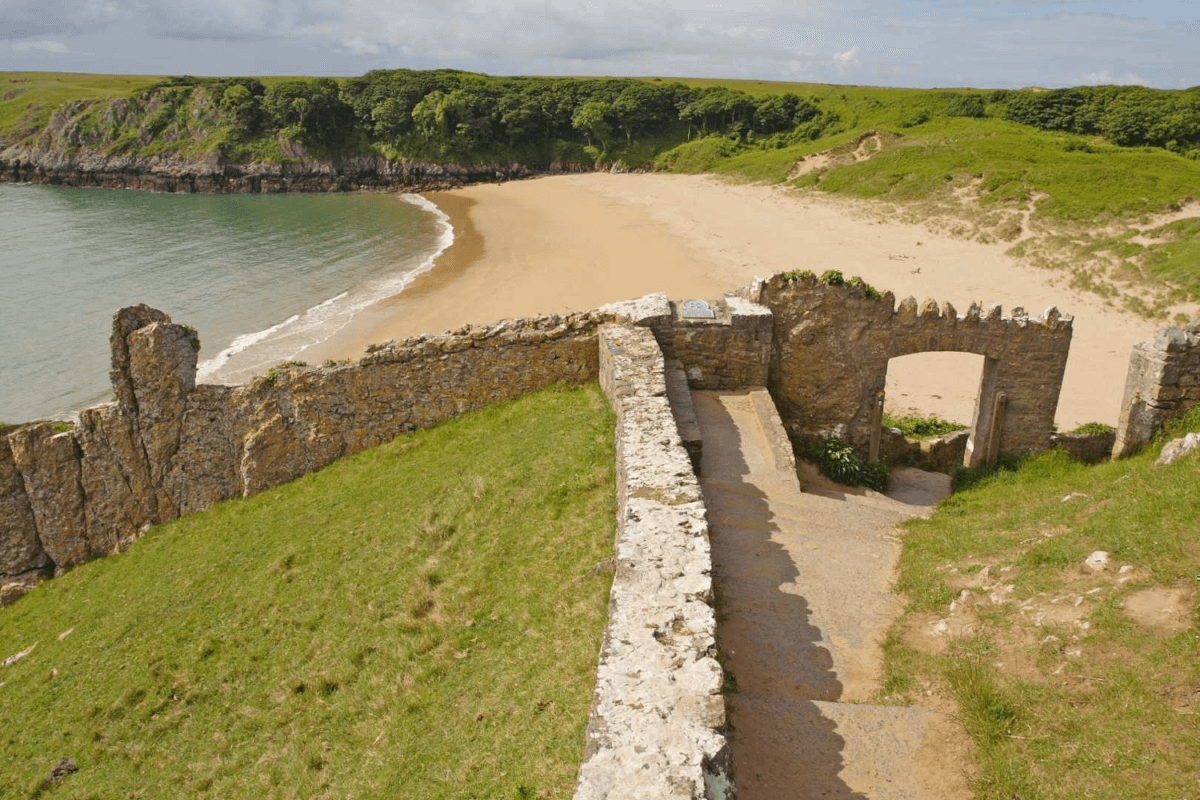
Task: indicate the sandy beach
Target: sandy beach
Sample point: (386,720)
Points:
(575,242)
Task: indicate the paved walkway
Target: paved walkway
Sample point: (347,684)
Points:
(802,580)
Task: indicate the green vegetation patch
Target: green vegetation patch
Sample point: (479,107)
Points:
(420,620)
(1092,429)
(917,426)
(839,462)
(1175,256)
(27,99)
(1066,688)
(1013,164)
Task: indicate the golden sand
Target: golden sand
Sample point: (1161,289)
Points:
(575,242)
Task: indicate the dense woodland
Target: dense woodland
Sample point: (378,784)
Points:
(447,115)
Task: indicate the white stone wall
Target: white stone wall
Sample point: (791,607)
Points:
(658,715)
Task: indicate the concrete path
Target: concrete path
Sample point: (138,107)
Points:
(802,580)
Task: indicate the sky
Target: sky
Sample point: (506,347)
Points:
(939,43)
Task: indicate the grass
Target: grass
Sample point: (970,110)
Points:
(28,98)
(1014,163)
(420,620)
(916,426)
(1093,704)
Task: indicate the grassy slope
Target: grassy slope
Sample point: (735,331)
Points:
(1102,707)
(28,98)
(420,620)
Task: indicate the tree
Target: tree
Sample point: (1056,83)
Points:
(241,108)
(592,120)
(311,112)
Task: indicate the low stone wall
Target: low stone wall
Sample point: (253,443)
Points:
(1163,381)
(1086,447)
(938,453)
(832,343)
(167,447)
(730,351)
(658,713)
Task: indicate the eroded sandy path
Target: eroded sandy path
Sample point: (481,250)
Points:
(803,597)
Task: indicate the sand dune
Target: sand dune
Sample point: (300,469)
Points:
(575,242)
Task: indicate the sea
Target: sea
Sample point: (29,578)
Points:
(262,278)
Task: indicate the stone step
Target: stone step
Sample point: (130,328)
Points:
(679,395)
(799,749)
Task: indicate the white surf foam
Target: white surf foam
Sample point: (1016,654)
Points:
(251,353)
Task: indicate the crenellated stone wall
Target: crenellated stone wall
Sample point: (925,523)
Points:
(658,715)
(832,343)
(167,447)
(1163,381)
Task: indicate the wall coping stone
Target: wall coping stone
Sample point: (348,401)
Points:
(658,715)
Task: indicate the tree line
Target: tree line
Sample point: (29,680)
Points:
(459,116)
(449,115)
(1128,116)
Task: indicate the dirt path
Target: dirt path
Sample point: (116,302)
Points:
(803,597)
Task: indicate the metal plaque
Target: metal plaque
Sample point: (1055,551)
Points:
(697,309)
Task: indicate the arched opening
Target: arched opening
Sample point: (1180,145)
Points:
(928,396)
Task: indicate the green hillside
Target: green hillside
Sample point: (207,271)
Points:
(420,620)
(1072,682)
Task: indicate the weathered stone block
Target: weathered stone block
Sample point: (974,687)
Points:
(20,549)
(50,469)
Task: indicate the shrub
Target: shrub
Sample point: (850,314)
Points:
(1090,428)
(838,461)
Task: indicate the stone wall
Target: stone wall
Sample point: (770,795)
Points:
(1163,381)
(658,714)
(167,447)
(832,343)
(1089,448)
(730,351)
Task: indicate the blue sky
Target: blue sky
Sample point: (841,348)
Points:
(988,43)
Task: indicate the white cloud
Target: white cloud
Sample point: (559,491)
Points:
(361,46)
(41,44)
(847,62)
(1106,78)
(852,57)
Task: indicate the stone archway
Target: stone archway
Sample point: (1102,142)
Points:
(832,342)
(943,385)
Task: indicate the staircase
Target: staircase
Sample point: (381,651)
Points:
(802,580)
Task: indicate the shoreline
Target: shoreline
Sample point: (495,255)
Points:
(533,247)
(364,328)
(575,242)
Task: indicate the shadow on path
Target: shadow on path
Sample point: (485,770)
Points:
(783,745)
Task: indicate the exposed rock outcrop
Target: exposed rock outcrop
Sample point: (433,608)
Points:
(57,162)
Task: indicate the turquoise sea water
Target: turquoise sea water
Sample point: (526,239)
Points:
(261,277)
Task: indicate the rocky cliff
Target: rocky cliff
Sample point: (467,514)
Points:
(64,166)
(119,148)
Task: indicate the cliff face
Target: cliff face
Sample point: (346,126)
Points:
(65,166)
(107,145)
